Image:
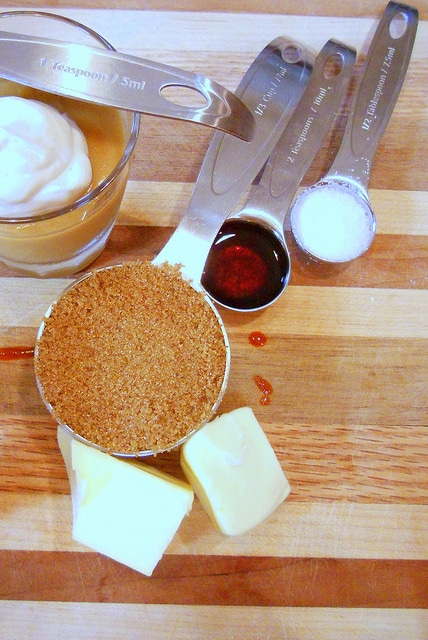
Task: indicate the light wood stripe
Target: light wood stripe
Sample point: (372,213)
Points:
(164,203)
(325,529)
(317,311)
(186,31)
(344,312)
(24,620)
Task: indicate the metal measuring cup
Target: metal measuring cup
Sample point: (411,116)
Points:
(332,221)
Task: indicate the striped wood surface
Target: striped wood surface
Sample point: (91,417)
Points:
(346,353)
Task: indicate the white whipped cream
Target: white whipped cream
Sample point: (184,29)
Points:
(44,161)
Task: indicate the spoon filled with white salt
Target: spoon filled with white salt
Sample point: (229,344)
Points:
(332,221)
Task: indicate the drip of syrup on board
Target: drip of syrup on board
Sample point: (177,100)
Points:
(265,387)
(246,267)
(16,353)
(257,339)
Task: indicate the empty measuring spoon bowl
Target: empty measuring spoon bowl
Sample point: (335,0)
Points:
(333,221)
(249,266)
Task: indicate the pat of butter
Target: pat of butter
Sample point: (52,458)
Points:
(125,510)
(234,471)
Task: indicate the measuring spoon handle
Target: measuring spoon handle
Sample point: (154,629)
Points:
(381,79)
(271,89)
(106,77)
(305,131)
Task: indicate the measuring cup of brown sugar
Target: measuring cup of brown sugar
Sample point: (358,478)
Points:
(132,359)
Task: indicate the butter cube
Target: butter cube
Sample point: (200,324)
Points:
(234,471)
(125,510)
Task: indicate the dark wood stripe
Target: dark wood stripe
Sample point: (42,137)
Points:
(362,8)
(216,580)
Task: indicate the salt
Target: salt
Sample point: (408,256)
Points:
(331,221)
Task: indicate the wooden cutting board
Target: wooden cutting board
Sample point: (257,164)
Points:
(346,555)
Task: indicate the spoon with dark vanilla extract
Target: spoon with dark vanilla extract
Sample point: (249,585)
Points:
(248,266)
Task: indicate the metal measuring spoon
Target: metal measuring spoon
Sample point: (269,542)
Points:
(271,89)
(104,76)
(332,221)
(248,266)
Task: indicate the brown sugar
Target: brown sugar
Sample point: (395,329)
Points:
(132,358)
